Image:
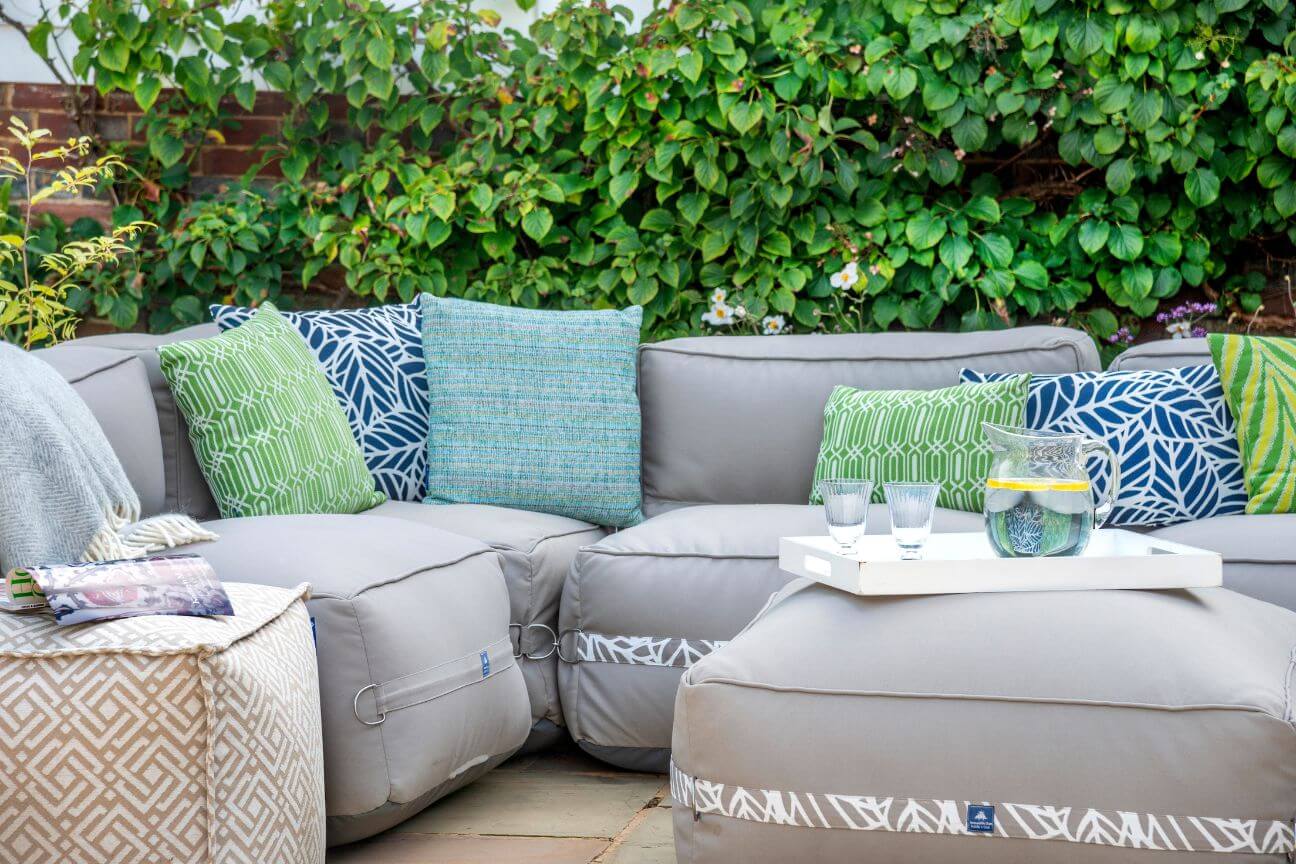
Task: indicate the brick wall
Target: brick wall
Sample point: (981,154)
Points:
(44,106)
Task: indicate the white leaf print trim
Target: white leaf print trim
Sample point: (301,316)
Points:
(644,650)
(1017,821)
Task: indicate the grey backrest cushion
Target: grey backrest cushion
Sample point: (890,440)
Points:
(738,419)
(186,489)
(116,387)
(1164,354)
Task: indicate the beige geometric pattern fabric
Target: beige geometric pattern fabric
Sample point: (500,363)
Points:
(163,739)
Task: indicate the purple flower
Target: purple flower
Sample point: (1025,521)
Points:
(1199,332)
(1123,336)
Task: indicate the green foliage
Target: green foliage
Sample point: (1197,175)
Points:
(984,164)
(35,275)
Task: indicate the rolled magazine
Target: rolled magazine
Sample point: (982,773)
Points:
(100,591)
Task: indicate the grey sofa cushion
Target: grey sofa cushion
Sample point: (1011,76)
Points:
(536,550)
(410,622)
(116,387)
(738,420)
(1084,726)
(1259,552)
(1164,354)
(186,490)
(643,604)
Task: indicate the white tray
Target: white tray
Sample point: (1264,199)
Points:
(965,564)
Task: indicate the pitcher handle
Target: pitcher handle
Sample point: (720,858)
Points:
(1103,509)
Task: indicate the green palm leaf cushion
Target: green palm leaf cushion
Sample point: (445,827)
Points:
(1259,376)
(269,434)
(919,436)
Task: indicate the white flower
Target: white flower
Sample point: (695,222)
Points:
(1200,55)
(740,311)
(718,296)
(1179,329)
(845,277)
(720,315)
(772,325)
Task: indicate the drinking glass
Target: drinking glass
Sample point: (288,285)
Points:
(846,504)
(911,506)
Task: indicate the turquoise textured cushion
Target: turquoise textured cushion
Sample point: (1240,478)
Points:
(533,409)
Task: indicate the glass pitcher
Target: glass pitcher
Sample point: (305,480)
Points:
(1039,500)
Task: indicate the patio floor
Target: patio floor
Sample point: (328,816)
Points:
(556,807)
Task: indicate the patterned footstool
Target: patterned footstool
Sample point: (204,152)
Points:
(1052,727)
(163,739)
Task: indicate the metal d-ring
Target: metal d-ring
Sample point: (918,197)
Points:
(553,642)
(355,706)
(558,645)
(519,628)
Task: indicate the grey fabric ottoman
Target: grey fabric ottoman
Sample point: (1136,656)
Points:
(1040,727)
(419,690)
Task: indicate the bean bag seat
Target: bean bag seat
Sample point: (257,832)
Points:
(1044,727)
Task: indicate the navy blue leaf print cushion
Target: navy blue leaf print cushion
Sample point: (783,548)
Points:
(373,358)
(1171,429)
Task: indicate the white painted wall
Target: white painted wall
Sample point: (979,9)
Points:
(18,63)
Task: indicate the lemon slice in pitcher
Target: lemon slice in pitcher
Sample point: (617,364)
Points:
(1037,484)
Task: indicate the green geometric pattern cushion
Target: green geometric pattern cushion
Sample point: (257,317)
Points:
(920,436)
(1259,375)
(533,409)
(268,432)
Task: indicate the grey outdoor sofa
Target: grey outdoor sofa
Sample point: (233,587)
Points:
(730,433)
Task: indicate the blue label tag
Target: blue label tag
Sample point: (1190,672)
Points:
(314,635)
(980,818)
(485,661)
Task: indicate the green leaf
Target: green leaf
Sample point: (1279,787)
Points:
(1202,186)
(657,220)
(1109,139)
(379,51)
(1031,274)
(995,250)
(621,187)
(938,94)
(714,245)
(537,223)
(114,54)
(692,205)
(443,205)
(167,149)
(1085,35)
(1164,248)
(245,95)
(1120,176)
(690,65)
(955,252)
(1093,235)
(1125,242)
(1111,94)
(146,92)
(985,208)
(924,230)
(1273,171)
(901,82)
(744,115)
(38,37)
(1285,200)
(1146,110)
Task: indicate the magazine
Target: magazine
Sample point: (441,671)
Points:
(100,591)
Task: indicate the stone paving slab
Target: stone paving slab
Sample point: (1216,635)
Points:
(557,807)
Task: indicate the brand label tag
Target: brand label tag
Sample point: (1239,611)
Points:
(980,818)
(485,661)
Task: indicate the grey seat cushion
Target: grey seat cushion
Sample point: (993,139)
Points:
(116,387)
(1259,552)
(411,623)
(839,728)
(537,550)
(643,604)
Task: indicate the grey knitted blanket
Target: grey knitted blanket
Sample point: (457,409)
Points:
(64,497)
